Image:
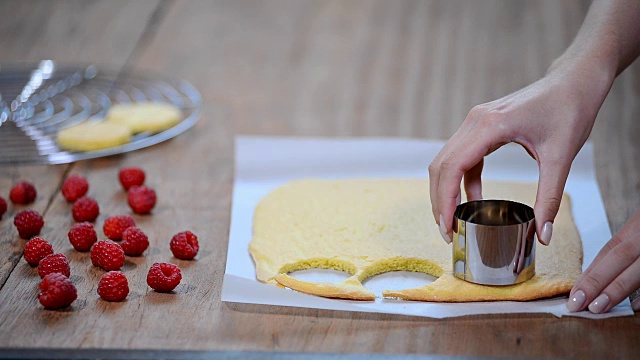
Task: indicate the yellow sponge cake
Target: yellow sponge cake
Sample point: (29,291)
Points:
(367,227)
(144,117)
(91,136)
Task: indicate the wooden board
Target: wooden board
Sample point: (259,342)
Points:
(327,68)
(67,32)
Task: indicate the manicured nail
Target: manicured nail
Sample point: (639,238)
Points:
(599,304)
(443,230)
(547,230)
(577,300)
(635,305)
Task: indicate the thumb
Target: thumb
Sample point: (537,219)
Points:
(553,177)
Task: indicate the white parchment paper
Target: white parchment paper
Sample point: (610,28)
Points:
(264,163)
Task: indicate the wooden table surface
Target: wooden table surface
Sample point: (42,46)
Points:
(321,68)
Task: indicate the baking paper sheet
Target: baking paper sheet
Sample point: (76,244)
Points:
(264,163)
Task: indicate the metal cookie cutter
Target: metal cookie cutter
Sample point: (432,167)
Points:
(494,242)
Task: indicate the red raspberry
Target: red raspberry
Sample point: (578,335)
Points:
(113,286)
(54,263)
(3,206)
(107,255)
(163,277)
(75,187)
(56,291)
(82,236)
(134,241)
(141,199)
(85,209)
(130,177)
(184,245)
(114,226)
(29,223)
(36,249)
(23,193)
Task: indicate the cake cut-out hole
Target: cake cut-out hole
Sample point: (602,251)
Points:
(397,280)
(320,275)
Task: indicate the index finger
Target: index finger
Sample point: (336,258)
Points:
(453,167)
(434,168)
(628,231)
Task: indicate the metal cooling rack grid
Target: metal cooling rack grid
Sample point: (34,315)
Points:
(47,98)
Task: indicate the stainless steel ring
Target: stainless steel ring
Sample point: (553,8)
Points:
(494,242)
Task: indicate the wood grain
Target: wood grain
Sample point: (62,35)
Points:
(68,32)
(75,31)
(320,68)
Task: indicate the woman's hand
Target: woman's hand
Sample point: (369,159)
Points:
(551,119)
(613,275)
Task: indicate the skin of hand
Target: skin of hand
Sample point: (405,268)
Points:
(613,274)
(551,119)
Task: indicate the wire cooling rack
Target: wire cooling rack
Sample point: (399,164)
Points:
(38,101)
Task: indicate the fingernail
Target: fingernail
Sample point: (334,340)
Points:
(577,300)
(599,304)
(547,230)
(635,305)
(443,230)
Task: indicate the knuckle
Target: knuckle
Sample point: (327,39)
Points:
(618,289)
(448,162)
(477,111)
(592,285)
(433,168)
(494,122)
(626,252)
(613,243)
(492,118)
(552,202)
